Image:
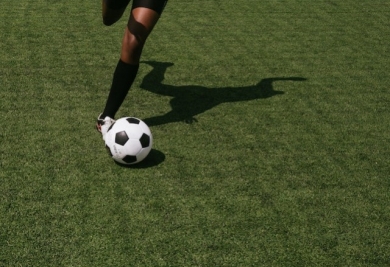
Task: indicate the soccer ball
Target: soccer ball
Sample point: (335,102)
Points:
(128,140)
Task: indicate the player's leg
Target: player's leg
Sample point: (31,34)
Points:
(112,10)
(141,23)
(139,26)
(143,18)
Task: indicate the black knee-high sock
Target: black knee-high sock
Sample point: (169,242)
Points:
(124,77)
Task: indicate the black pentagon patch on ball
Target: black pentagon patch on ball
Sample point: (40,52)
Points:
(133,120)
(130,159)
(121,138)
(145,140)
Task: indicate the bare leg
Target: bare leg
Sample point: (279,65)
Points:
(140,24)
(112,13)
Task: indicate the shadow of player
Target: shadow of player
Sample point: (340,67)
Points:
(191,100)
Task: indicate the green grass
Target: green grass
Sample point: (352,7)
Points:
(247,169)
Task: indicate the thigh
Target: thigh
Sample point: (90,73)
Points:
(156,5)
(144,16)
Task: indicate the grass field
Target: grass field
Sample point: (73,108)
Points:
(271,124)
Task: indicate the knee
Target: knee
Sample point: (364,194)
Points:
(111,16)
(133,42)
(132,49)
(108,21)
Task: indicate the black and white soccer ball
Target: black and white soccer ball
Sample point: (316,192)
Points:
(128,140)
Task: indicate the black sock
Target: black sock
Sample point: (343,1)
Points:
(124,77)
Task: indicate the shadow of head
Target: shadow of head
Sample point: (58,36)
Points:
(265,86)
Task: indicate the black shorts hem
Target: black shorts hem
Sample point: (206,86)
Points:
(156,5)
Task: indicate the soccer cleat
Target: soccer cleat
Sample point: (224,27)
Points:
(103,124)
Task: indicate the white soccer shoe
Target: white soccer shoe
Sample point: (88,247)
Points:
(103,124)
